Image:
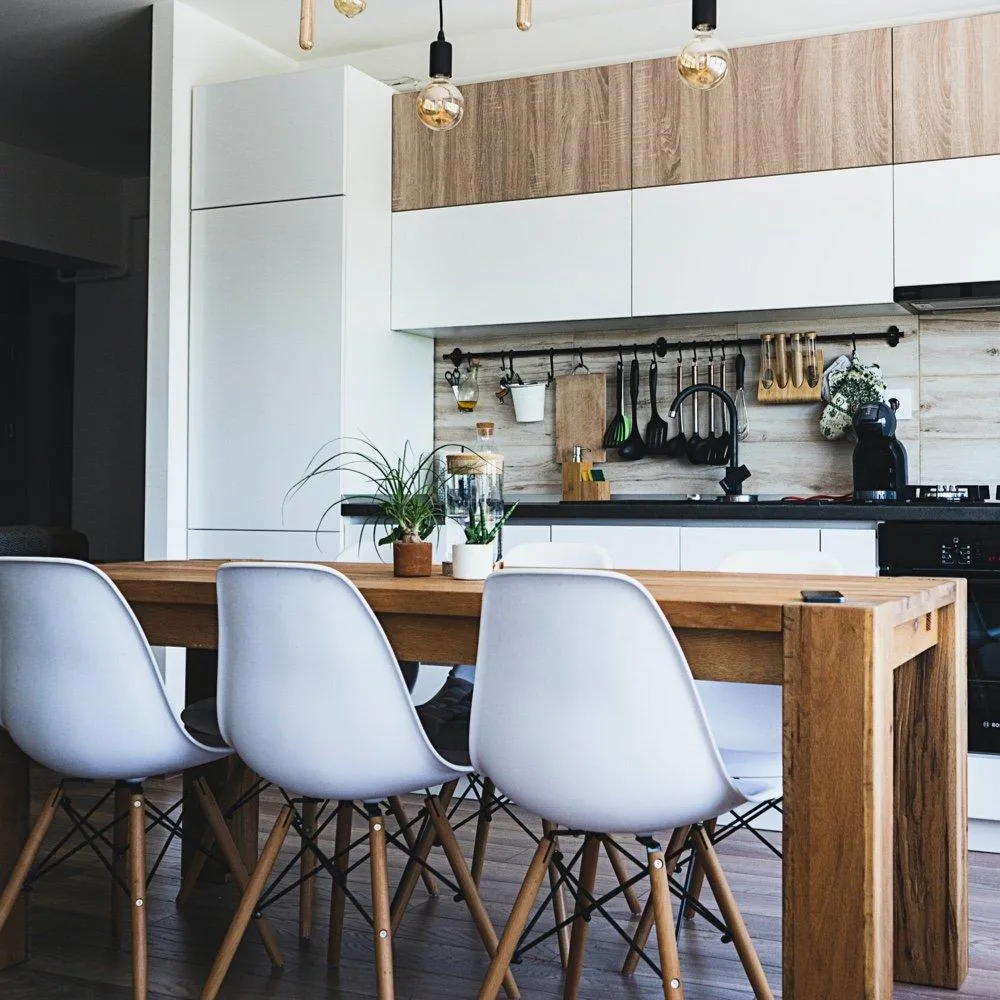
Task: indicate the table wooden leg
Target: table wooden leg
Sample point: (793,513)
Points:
(229,779)
(931,902)
(838,704)
(14,810)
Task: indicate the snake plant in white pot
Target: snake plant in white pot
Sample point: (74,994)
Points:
(473,559)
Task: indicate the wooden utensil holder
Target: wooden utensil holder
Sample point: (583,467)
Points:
(804,393)
(576,488)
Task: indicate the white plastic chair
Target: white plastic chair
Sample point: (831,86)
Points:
(601,730)
(558,555)
(312,698)
(83,696)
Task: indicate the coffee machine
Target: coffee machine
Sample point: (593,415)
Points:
(879,458)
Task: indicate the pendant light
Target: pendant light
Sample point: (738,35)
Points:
(350,8)
(523,15)
(704,62)
(440,105)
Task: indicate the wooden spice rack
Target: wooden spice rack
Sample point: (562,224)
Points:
(804,393)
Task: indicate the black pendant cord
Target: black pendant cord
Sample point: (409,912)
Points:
(441,20)
(659,348)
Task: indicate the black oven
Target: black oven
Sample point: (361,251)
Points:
(971,551)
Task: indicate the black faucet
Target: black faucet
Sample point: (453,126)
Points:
(736,474)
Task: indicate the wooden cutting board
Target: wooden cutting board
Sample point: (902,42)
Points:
(581,416)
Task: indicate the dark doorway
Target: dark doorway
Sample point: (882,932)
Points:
(37,317)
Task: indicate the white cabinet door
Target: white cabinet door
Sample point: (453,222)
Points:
(631,547)
(271,139)
(512,262)
(305,546)
(763,243)
(947,220)
(856,549)
(706,549)
(522,534)
(265,369)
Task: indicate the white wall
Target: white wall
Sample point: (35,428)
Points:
(188,49)
(57,208)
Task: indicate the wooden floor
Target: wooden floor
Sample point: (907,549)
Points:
(437,952)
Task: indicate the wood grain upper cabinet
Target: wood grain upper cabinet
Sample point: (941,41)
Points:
(946,89)
(531,137)
(788,107)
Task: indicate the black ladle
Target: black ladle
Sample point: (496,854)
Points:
(677,445)
(657,430)
(699,448)
(633,447)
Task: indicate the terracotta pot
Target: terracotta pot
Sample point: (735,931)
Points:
(411,558)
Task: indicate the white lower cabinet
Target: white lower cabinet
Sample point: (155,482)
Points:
(856,549)
(706,549)
(631,547)
(272,545)
(523,534)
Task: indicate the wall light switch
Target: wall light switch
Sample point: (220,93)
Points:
(905,396)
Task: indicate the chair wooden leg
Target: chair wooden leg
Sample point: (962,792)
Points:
(398,811)
(422,850)
(453,852)
(307,866)
(677,841)
(119,861)
(558,899)
(248,903)
(621,873)
(380,906)
(230,852)
(519,915)
(28,854)
(663,917)
(482,830)
(731,914)
(697,876)
(137,883)
(578,939)
(338,901)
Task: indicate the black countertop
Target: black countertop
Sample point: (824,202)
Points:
(551,510)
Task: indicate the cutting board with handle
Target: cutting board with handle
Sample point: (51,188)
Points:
(581,416)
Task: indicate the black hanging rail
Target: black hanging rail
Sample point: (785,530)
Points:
(661,347)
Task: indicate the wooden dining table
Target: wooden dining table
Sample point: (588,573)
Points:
(875,866)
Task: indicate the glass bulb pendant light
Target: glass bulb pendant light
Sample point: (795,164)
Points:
(704,62)
(350,8)
(440,105)
(523,15)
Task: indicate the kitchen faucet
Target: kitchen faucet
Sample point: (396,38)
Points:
(736,474)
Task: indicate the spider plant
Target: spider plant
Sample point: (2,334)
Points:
(407,489)
(479,530)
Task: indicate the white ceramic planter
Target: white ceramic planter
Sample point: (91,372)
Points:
(529,402)
(471,562)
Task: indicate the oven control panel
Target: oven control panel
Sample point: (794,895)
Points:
(914,548)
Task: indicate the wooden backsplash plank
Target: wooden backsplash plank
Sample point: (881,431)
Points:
(948,363)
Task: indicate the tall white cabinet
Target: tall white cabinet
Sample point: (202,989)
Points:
(290,339)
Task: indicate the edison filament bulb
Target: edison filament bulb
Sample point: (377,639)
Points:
(704,62)
(350,8)
(440,105)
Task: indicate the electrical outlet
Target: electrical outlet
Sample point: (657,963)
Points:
(905,396)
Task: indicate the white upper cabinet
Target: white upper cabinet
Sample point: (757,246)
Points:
(266,327)
(809,240)
(947,221)
(545,259)
(271,139)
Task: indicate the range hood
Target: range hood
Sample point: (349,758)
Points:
(922,300)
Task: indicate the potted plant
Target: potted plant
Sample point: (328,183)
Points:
(406,490)
(473,558)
